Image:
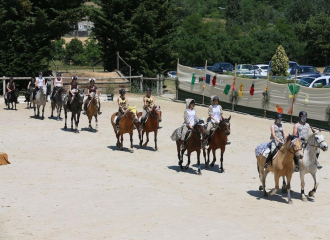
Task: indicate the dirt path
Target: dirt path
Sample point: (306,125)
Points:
(62,185)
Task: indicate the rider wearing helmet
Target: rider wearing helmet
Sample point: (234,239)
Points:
(92,89)
(10,88)
(72,86)
(277,137)
(40,81)
(123,106)
(31,86)
(58,84)
(148,105)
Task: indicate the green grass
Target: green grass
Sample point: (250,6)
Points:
(64,67)
(170,86)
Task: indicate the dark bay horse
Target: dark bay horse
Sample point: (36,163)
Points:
(126,125)
(58,102)
(28,98)
(193,144)
(92,110)
(11,98)
(151,125)
(218,140)
(75,108)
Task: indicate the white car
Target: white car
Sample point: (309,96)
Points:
(260,69)
(313,82)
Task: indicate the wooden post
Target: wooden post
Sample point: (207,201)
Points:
(157,84)
(161,84)
(130,79)
(118,61)
(141,83)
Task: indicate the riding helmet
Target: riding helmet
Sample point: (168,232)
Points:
(122,91)
(40,73)
(278,115)
(303,114)
(58,74)
(11,78)
(74,78)
(216,98)
(148,90)
(92,80)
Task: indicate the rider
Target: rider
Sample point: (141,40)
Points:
(302,129)
(73,85)
(40,81)
(58,84)
(277,137)
(32,84)
(10,88)
(190,119)
(123,106)
(148,105)
(215,117)
(92,89)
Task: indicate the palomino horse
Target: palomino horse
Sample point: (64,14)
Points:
(218,140)
(40,100)
(59,100)
(92,110)
(151,125)
(193,144)
(281,165)
(11,98)
(309,162)
(126,125)
(75,108)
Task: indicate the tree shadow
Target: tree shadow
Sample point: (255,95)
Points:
(178,169)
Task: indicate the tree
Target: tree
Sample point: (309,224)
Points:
(142,32)
(93,50)
(280,63)
(75,51)
(27,29)
(58,51)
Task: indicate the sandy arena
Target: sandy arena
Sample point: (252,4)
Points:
(63,185)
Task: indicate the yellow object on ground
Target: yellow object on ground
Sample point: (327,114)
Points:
(4,159)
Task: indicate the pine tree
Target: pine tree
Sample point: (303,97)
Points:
(280,63)
(27,29)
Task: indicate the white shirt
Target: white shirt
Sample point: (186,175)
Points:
(58,83)
(216,113)
(191,116)
(40,81)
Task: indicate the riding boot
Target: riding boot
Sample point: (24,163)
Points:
(295,159)
(269,158)
(228,142)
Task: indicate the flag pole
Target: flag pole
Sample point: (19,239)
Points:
(294,96)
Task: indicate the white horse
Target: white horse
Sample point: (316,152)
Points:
(309,162)
(41,98)
(59,102)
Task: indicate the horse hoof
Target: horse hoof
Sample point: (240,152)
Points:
(186,167)
(65,127)
(131,150)
(199,172)
(311,194)
(284,190)
(221,170)
(212,165)
(181,168)
(265,194)
(290,202)
(304,198)
(261,188)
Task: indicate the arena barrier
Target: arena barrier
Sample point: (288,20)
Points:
(315,101)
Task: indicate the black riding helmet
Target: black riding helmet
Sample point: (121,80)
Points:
(74,78)
(148,90)
(59,75)
(278,115)
(122,91)
(216,98)
(303,114)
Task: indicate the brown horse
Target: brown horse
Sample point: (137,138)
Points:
(91,111)
(218,140)
(151,125)
(281,165)
(126,124)
(193,144)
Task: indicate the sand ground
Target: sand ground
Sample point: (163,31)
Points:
(63,185)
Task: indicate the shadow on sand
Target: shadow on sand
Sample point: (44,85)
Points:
(178,169)
(278,197)
(115,148)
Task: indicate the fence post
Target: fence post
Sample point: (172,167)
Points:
(141,83)
(161,84)
(118,61)
(157,84)
(4,85)
(130,79)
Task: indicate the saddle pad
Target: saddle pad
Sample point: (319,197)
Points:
(4,159)
(115,120)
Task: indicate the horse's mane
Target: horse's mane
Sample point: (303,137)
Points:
(288,141)
(310,135)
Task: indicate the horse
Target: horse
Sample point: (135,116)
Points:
(126,125)
(151,125)
(281,165)
(309,162)
(193,144)
(218,140)
(92,110)
(40,100)
(28,98)
(11,97)
(75,108)
(58,102)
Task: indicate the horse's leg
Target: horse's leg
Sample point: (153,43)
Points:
(15,105)
(221,159)
(181,158)
(147,140)
(96,124)
(43,111)
(188,163)
(277,179)
(71,120)
(302,182)
(316,184)
(289,176)
(34,108)
(204,154)
(264,174)
(156,131)
(77,122)
(208,157)
(131,139)
(284,186)
(121,141)
(90,123)
(141,141)
(178,143)
(199,162)
(66,117)
(214,158)
(52,107)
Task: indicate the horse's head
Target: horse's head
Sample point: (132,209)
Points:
(318,140)
(157,114)
(225,125)
(131,113)
(43,89)
(81,95)
(200,127)
(296,145)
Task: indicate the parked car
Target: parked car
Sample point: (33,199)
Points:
(260,69)
(303,71)
(222,67)
(207,67)
(313,82)
(326,71)
(292,64)
(171,74)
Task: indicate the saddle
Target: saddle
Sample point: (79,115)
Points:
(188,134)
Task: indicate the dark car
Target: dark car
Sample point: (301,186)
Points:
(222,67)
(303,71)
(326,71)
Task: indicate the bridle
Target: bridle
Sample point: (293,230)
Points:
(294,150)
(319,143)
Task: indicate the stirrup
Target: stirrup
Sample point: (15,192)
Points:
(228,143)
(84,112)
(265,166)
(296,168)
(99,113)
